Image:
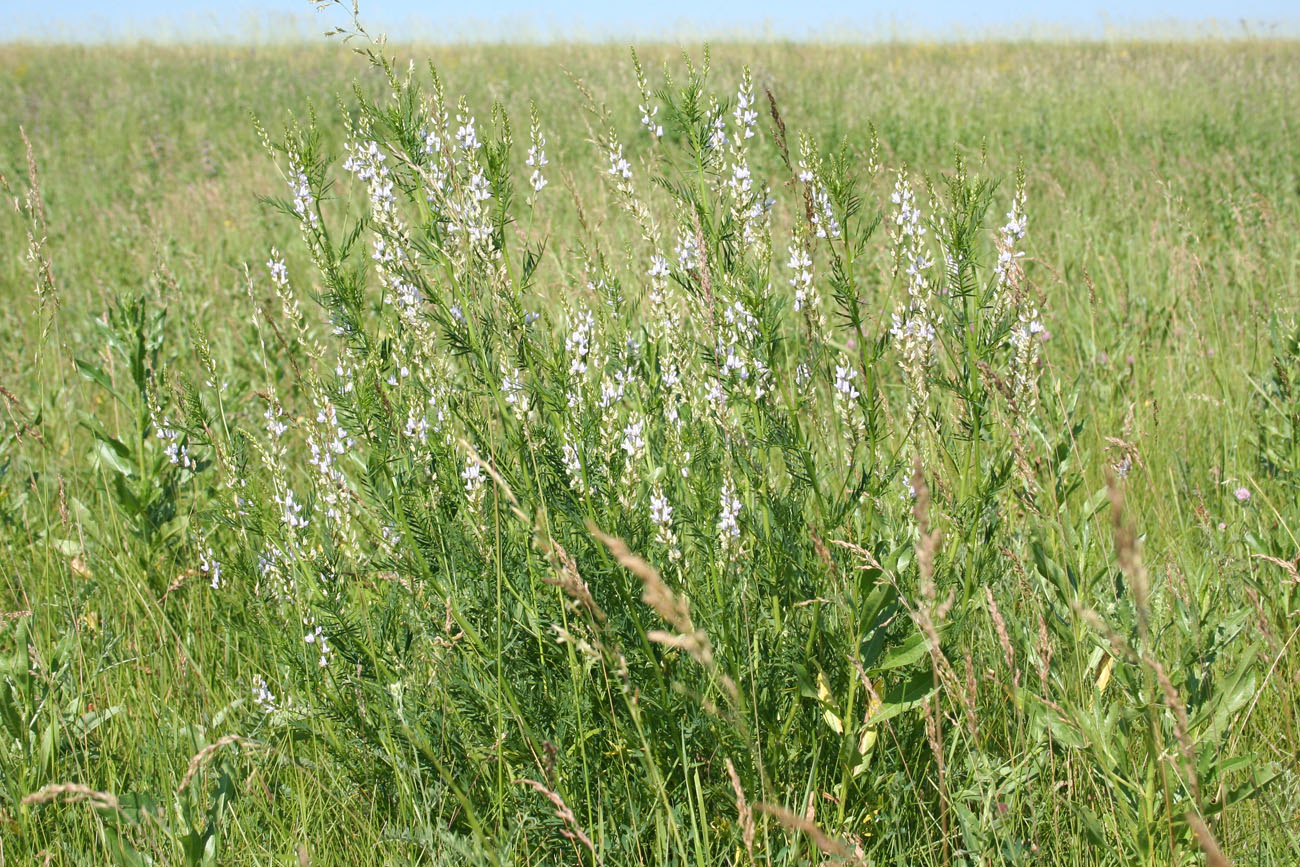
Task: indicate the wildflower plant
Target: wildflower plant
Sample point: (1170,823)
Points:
(670,536)
(706,408)
(483,416)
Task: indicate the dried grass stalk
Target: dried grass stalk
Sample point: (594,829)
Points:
(1214,856)
(572,830)
(660,597)
(745,813)
(203,756)
(73,793)
(793,821)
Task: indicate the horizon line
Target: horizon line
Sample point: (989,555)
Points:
(272,28)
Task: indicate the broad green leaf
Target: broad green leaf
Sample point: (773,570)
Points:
(916,646)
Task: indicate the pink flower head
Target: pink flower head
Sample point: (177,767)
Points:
(1242,495)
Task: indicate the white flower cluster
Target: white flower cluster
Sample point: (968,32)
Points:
(304,202)
(473,476)
(749,205)
(741,183)
(618,166)
(437,139)
(573,466)
(467,213)
(536,154)
(661,515)
(279,273)
(466,137)
(648,120)
(581,342)
(327,442)
(844,376)
(316,636)
(272,567)
(1026,347)
(801,266)
(457,184)
(845,396)
(822,216)
(613,387)
(728,513)
(178,454)
(647,111)
(275,424)
(658,266)
(717,127)
(262,695)
(210,566)
(1008,272)
(661,512)
(290,511)
(740,363)
(634,439)
(512,390)
(417,426)
(408,296)
(688,251)
(746,115)
(914,326)
(1027,332)
(392,253)
(367,163)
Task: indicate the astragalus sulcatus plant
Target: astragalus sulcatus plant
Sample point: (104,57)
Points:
(723,530)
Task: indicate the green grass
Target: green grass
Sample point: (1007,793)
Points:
(1141,665)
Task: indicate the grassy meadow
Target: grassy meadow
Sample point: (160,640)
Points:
(901,469)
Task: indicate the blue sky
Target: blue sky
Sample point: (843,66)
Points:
(435,19)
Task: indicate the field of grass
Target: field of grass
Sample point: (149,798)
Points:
(678,512)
